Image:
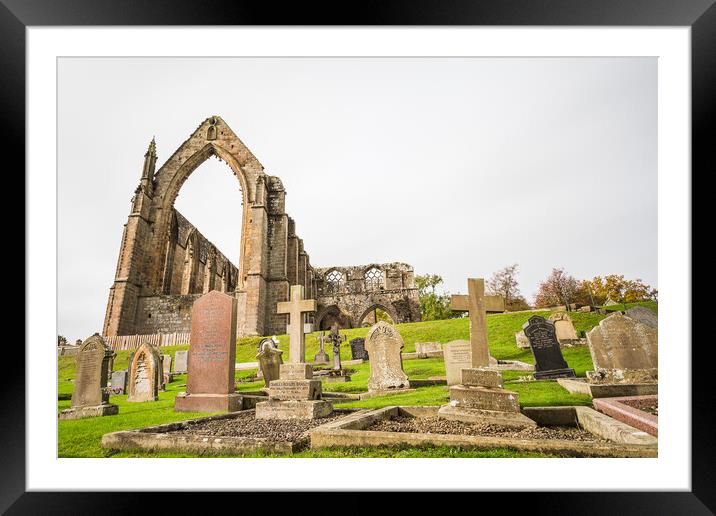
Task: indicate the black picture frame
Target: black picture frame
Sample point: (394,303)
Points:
(699,15)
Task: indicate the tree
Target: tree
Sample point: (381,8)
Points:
(433,306)
(504,283)
(558,289)
(617,288)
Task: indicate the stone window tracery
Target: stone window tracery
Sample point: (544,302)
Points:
(333,281)
(373,279)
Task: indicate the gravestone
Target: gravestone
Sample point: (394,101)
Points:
(296,394)
(212,357)
(336,339)
(167,363)
(167,368)
(521,339)
(322,357)
(119,381)
(296,308)
(623,351)
(478,396)
(180,361)
(270,360)
(477,304)
(384,344)
(643,315)
(549,362)
(358,351)
(566,334)
(145,374)
(429,348)
(90,397)
(457,357)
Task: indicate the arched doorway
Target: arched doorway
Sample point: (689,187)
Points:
(376,313)
(148,275)
(330,315)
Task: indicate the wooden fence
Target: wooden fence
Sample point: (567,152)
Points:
(118,342)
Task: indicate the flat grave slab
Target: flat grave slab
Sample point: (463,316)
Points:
(582,386)
(564,431)
(637,411)
(227,434)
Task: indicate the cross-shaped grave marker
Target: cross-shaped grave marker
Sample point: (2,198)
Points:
(295,308)
(476,304)
(336,338)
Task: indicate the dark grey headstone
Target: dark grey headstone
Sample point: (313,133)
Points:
(358,351)
(549,362)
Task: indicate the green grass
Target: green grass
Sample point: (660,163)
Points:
(653,305)
(81,438)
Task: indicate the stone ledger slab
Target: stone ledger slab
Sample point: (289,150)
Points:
(294,409)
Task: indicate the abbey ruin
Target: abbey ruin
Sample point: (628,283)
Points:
(165,263)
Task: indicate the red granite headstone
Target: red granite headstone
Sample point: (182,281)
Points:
(212,356)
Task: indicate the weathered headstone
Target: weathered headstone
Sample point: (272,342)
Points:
(167,368)
(180,361)
(643,315)
(521,339)
(564,328)
(91,395)
(145,374)
(270,360)
(296,394)
(457,357)
(322,357)
(623,351)
(549,362)
(358,351)
(429,348)
(119,381)
(212,357)
(384,344)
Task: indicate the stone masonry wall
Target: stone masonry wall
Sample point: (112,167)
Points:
(348,295)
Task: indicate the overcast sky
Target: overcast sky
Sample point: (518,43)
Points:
(457,166)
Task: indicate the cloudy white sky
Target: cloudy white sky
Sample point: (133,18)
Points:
(458,166)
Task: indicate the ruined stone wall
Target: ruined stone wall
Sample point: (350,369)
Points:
(348,295)
(164,314)
(165,263)
(224,272)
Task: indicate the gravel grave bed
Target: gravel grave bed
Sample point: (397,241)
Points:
(650,406)
(434,425)
(246,425)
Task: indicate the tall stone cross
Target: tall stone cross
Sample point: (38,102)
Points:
(295,308)
(476,304)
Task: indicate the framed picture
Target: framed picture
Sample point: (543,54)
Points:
(436,260)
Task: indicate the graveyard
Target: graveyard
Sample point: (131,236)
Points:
(399,402)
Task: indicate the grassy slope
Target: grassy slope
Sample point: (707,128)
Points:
(82,438)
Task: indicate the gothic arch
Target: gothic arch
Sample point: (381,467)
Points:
(390,311)
(258,281)
(170,178)
(332,312)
